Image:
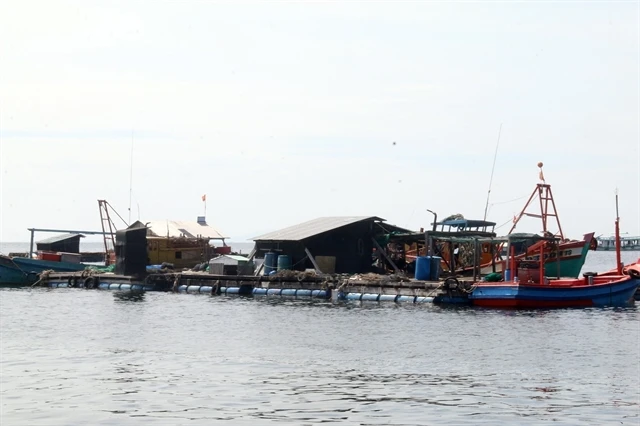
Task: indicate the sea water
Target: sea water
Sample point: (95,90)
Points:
(71,356)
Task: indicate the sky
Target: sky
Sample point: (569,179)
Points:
(281,112)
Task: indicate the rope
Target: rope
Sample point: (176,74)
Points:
(44,276)
(509,201)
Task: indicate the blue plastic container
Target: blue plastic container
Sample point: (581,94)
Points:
(370,297)
(270,262)
(321,294)
(284,262)
(436,267)
(387,298)
(507,275)
(423,268)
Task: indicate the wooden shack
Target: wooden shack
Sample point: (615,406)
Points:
(181,243)
(339,244)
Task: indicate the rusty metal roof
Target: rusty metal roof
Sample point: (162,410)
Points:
(313,227)
(187,229)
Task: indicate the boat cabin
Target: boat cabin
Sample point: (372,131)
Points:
(465,225)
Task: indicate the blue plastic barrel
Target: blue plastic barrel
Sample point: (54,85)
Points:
(435,267)
(320,294)
(284,262)
(370,297)
(423,268)
(259,291)
(387,298)
(270,262)
(507,275)
(354,296)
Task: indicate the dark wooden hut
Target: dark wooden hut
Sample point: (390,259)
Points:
(342,244)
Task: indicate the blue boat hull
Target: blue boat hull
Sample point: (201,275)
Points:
(21,271)
(514,295)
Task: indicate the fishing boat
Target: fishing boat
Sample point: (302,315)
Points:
(59,254)
(20,271)
(627,243)
(563,257)
(534,290)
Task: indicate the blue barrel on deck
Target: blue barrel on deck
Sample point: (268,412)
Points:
(435,267)
(270,262)
(428,268)
(284,262)
(423,268)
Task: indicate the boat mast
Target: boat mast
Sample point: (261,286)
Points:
(618,257)
(543,191)
(131,176)
(486,207)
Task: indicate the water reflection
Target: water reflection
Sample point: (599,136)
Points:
(129,296)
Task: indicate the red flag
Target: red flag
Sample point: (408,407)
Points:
(204,197)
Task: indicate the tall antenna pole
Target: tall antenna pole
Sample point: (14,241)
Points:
(486,207)
(131,176)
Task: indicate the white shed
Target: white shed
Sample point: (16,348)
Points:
(230,264)
(228,259)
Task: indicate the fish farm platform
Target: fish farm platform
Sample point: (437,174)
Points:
(370,287)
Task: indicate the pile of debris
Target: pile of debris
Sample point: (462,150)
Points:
(377,278)
(299,275)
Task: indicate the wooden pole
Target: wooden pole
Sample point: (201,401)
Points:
(313,260)
(475,259)
(384,254)
(493,257)
(513,263)
(541,276)
(618,256)
(31,245)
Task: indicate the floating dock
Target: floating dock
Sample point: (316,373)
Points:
(367,287)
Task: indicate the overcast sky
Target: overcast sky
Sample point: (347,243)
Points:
(282,112)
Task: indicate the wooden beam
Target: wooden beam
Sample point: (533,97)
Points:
(253,253)
(313,260)
(260,268)
(386,256)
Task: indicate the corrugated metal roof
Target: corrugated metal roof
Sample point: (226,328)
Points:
(58,238)
(176,228)
(312,227)
(235,257)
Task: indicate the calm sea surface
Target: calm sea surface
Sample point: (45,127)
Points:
(72,357)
